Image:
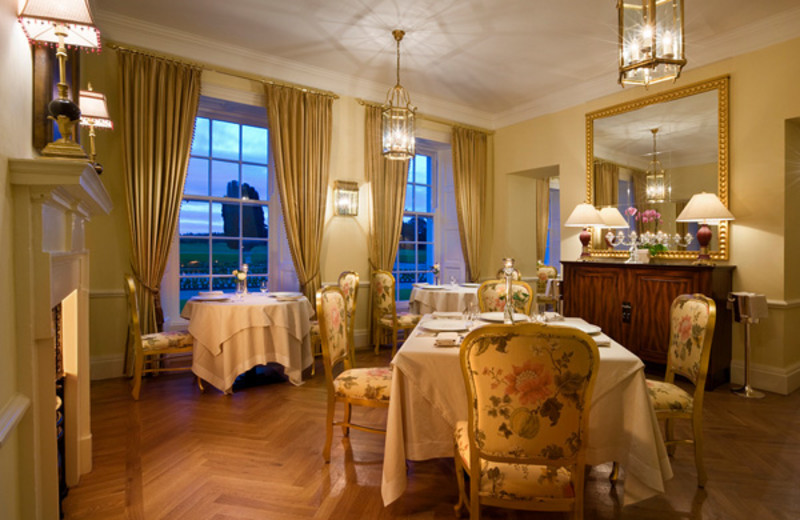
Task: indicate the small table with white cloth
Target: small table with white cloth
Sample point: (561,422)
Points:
(428,398)
(426,299)
(233,335)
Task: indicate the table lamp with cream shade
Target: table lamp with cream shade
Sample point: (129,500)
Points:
(584,216)
(705,208)
(61,23)
(94,114)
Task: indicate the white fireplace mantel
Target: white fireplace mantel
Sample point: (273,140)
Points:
(53,199)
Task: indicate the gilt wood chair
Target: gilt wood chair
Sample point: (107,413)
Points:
(386,320)
(348,283)
(544,274)
(148,349)
(492,296)
(346,384)
(529,389)
(692,320)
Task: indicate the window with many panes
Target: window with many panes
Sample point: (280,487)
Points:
(415,254)
(224,217)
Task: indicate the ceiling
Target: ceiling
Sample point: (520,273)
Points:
(489,61)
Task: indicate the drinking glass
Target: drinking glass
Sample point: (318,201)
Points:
(453,281)
(264,286)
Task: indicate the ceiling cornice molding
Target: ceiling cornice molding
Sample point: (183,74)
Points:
(159,38)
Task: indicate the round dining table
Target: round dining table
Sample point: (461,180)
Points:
(426,299)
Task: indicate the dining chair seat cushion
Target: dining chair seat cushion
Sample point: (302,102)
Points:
(373,384)
(669,397)
(515,481)
(165,340)
(314,330)
(404,321)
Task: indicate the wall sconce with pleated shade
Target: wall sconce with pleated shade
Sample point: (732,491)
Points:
(94,114)
(397,117)
(61,23)
(705,208)
(650,41)
(345,198)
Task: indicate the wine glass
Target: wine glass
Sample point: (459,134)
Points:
(264,286)
(452,281)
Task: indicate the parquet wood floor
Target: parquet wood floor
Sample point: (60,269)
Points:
(182,454)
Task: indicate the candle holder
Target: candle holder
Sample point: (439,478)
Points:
(647,239)
(508,272)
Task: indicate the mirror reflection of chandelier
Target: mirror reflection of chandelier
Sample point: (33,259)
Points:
(650,41)
(655,181)
(398,117)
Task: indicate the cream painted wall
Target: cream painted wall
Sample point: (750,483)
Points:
(15,142)
(688,180)
(763,97)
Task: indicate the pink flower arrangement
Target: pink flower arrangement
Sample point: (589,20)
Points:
(648,215)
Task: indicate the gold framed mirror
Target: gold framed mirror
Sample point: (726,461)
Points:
(680,135)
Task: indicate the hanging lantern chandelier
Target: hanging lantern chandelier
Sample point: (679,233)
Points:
(655,181)
(398,117)
(650,41)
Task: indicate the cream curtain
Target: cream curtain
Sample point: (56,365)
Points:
(159,101)
(387,181)
(542,216)
(300,131)
(469,182)
(606,184)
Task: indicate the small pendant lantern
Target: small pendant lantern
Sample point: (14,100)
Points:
(398,117)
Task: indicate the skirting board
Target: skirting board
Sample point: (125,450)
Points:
(779,380)
(110,366)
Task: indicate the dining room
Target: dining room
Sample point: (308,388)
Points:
(253,193)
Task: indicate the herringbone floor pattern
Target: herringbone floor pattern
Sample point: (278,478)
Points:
(181,454)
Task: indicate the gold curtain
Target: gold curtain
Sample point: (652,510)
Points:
(469,182)
(159,100)
(300,130)
(606,184)
(639,194)
(387,181)
(542,216)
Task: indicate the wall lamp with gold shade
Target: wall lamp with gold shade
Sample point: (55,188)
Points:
(584,216)
(650,41)
(705,208)
(94,114)
(398,117)
(61,23)
(345,198)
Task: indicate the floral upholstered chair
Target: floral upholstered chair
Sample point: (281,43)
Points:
(492,296)
(386,319)
(345,383)
(692,319)
(148,348)
(545,273)
(348,283)
(529,389)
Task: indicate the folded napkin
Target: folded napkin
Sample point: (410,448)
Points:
(448,315)
(602,340)
(420,285)
(206,294)
(552,316)
(447,339)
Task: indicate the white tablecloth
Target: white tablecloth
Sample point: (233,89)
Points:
(447,299)
(231,337)
(428,397)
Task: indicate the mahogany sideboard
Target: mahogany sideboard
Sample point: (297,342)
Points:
(631,303)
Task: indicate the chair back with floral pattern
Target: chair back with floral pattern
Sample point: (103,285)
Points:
(348,283)
(383,294)
(543,274)
(332,315)
(529,388)
(492,296)
(692,318)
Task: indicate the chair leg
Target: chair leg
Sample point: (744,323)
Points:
(326,451)
(474,499)
(376,333)
(579,476)
(348,409)
(138,365)
(614,475)
(669,434)
(394,342)
(462,494)
(697,426)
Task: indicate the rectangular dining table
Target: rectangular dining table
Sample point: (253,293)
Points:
(233,335)
(429,397)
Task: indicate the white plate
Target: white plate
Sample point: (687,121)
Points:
(213,298)
(279,295)
(588,328)
(497,317)
(444,325)
(470,285)
(433,287)
(209,294)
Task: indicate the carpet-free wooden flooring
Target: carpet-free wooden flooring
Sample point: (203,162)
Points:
(182,454)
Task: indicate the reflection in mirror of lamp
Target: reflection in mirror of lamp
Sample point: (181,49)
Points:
(692,143)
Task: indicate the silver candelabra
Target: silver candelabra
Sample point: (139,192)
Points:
(648,238)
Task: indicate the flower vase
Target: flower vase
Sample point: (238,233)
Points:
(642,256)
(241,287)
